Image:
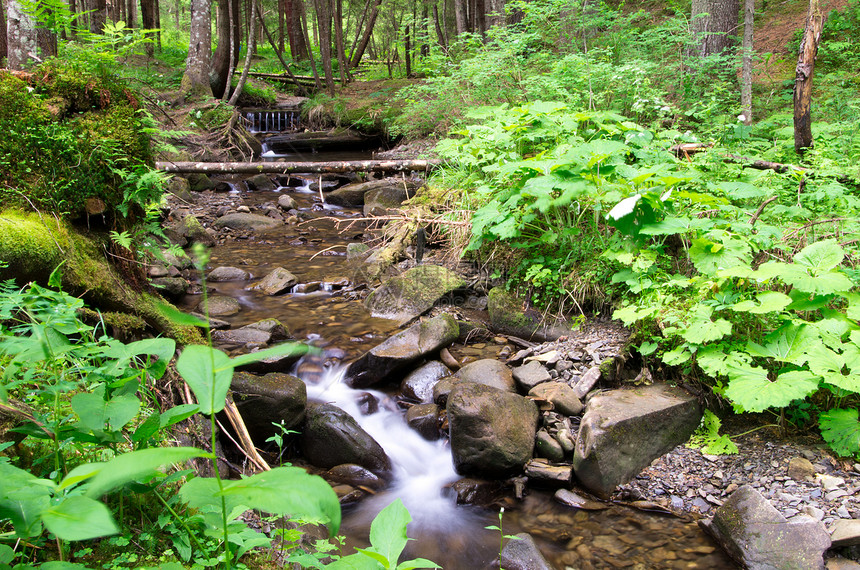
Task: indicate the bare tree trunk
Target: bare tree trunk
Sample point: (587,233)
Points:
(177,7)
(247,67)
(20,37)
(803,78)
(228,38)
(147,21)
(299,48)
(359,27)
(407,48)
(293,78)
(158,24)
(233,15)
(496,13)
(460,16)
(368,32)
(746,69)
(324,16)
(282,10)
(195,81)
(317,83)
(47,42)
(342,64)
(98,16)
(131,14)
(440,34)
(3,46)
(713,25)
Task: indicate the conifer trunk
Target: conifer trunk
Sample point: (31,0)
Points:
(803,78)
(746,70)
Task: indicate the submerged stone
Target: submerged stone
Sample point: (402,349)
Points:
(219,306)
(245,221)
(278,281)
(227,273)
(522,553)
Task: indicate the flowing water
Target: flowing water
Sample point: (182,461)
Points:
(453,536)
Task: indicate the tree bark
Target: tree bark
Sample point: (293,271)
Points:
(147,21)
(247,67)
(3,46)
(317,83)
(158,25)
(746,69)
(221,59)
(460,16)
(98,16)
(20,37)
(365,38)
(233,16)
(289,73)
(282,10)
(342,65)
(803,78)
(46,39)
(326,167)
(299,49)
(440,34)
(195,81)
(713,24)
(496,13)
(324,17)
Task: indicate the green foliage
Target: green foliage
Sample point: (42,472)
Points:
(708,438)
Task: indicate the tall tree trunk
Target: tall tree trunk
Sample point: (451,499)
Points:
(746,69)
(324,16)
(407,48)
(227,48)
(342,64)
(177,6)
(47,42)
(131,14)
(495,13)
(233,15)
(365,38)
(317,83)
(3,47)
(98,16)
(282,9)
(247,67)
(195,81)
(460,16)
(803,78)
(440,34)
(158,24)
(359,27)
(301,88)
(147,22)
(20,37)
(713,25)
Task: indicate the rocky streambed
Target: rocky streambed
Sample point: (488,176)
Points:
(435,387)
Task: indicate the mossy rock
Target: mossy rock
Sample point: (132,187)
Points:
(509,315)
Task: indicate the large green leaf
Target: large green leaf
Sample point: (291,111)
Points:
(841,429)
(137,464)
(810,280)
(718,251)
(203,492)
(768,302)
(701,329)
(23,497)
(750,388)
(789,343)
(79,518)
(95,412)
(208,372)
(849,382)
(388,531)
(821,255)
(289,490)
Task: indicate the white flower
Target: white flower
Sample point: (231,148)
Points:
(742,117)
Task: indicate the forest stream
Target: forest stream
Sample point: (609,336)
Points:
(325,309)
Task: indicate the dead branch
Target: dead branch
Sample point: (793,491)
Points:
(761,208)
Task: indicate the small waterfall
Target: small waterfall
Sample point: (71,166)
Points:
(272,120)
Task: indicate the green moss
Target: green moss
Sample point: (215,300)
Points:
(30,244)
(18,102)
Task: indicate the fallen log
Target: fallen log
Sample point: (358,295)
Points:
(327,167)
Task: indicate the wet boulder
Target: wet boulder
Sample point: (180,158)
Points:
(418,385)
(560,395)
(219,306)
(274,397)
(261,183)
(193,231)
(274,327)
(381,201)
(489,372)
(757,536)
(287,203)
(227,273)
(402,349)
(331,437)
(412,293)
(170,287)
(278,281)
(485,442)
(424,418)
(480,492)
(521,553)
(354,475)
(198,182)
(623,431)
(530,375)
(246,222)
(508,315)
(352,195)
(243,337)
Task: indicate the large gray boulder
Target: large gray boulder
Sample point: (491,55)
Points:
(227,273)
(278,281)
(401,350)
(489,372)
(385,199)
(332,437)
(247,222)
(261,400)
(623,431)
(418,385)
(219,306)
(352,195)
(492,431)
(508,315)
(530,375)
(412,293)
(758,537)
(521,553)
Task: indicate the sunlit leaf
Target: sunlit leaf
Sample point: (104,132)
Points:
(137,464)
(750,387)
(208,372)
(840,428)
(79,518)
